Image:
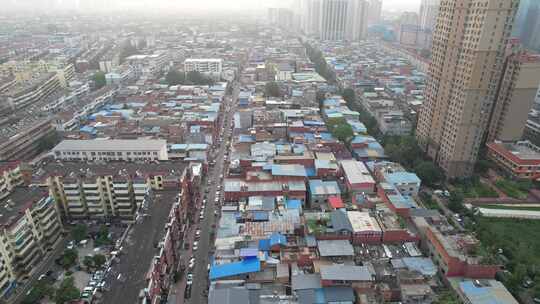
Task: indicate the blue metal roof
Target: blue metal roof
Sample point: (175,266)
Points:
(277,239)
(494,294)
(245,138)
(294,204)
(311,171)
(423,265)
(89,129)
(264,244)
(232,269)
(402,178)
(401,201)
(288,170)
(260,215)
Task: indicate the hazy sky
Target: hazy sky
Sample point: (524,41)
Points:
(408,5)
(390,5)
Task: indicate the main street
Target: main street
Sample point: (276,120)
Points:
(202,255)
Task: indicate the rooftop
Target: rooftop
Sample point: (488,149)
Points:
(363,221)
(487,292)
(346,273)
(232,269)
(111,145)
(319,187)
(335,248)
(356,172)
(116,169)
(13,206)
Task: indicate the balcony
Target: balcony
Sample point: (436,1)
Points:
(72,192)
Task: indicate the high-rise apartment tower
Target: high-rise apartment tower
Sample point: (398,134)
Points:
(468,51)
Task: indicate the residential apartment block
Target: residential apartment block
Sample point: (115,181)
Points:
(25,144)
(10,177)
(30,228)
(467,64)
(516,95)
(210,66)
(104,191)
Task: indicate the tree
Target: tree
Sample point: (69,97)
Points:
(79,233)
(69,258)
(343,132)
(102,237)
(40,290)
(99,80)
(455,201)
(175,78)
(349,95)
(88,262)
(48,142)
(482,166)
(196,78)
(272,89)
(428,173)
(99,260)
(340,129)
(67,291)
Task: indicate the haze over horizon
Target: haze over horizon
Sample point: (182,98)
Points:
(210,5)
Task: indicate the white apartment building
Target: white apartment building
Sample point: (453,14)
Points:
(111,150)
(209,66)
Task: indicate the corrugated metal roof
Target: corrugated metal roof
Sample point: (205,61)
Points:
(306,281)
(491,292)
(346,273)
(289,170)
(340,221)
(335,248)
(319,187)
(402,178)
(233,269)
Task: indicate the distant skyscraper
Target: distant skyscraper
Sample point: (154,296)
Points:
(343,19)
(527,24)
(312,17)
(516,95)
(428,13)
(466,66)
(375,11)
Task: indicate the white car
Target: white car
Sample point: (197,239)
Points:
(198,232)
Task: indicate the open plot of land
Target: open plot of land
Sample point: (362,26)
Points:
(519,190)
(518,238)
(477,189)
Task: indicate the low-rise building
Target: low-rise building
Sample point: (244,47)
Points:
(452,251)
(113,149)
(358,179)
(321,191)
(520,160)
(365,228)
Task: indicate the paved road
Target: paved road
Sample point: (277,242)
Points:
(200,272)
(447,212)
